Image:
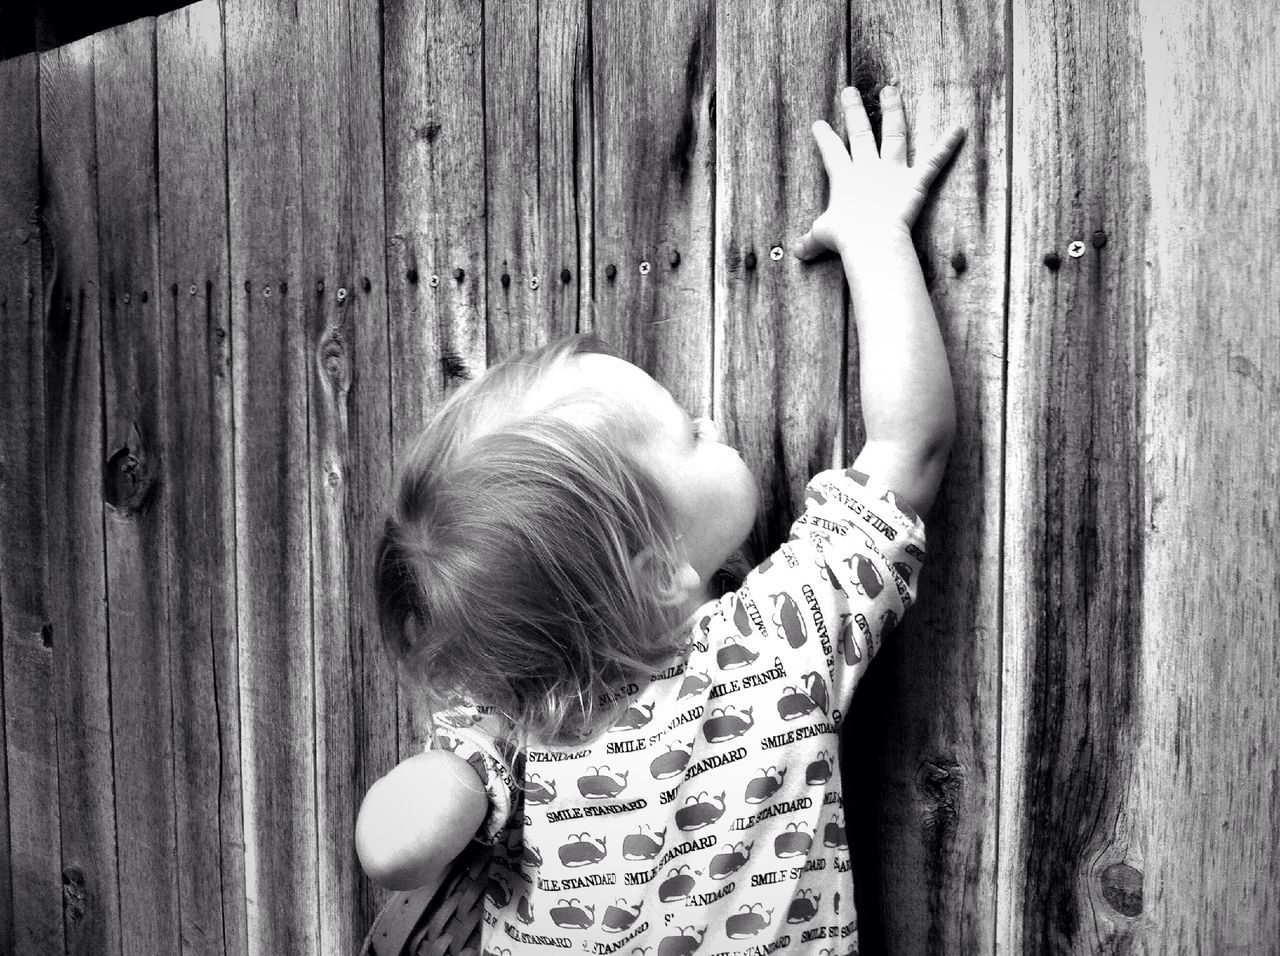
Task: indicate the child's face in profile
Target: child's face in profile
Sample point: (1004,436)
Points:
(711,492)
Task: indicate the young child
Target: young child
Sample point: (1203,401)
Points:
(655,762)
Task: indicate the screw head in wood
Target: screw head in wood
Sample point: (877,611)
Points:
(644,268)
(266,292)
(458,275)
(1076,249)
(126,298)
(533,283)
(435,281)
(342,295)
(775,253)
(1099,238)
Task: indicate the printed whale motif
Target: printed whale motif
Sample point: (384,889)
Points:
(669,764)
(602,783)
(746,924)
(787,619)
(640,846)
(727,726)
(569,915)
(582,850)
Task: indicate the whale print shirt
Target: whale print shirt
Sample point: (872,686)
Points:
(709,818)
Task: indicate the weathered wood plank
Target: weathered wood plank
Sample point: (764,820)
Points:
(922,746)
(1073,628)
(30,877)
(135,404)
(198,491)
(1199,831)
(537,114)
(654,69)
(343,268)
(76,466)
(273,550)
(780,327)
(435,195)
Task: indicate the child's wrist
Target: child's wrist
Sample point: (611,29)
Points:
(869,256)
(875,243)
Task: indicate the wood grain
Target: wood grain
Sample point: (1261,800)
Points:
(135,404)
(1200,821)
(922,774)
(76,469)
(1073,629)
(433,107)
(538,173)
(653,90)
(348,408)
(274,572)
(198,483)
(780,324)
(30,875)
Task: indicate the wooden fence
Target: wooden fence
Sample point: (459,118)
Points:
(246,248)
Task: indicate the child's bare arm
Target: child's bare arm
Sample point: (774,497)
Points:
(417,818)
(908,404)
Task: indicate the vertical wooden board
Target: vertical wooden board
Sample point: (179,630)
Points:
(921,748)
(433,111)
(1073,606)
(537,115)
(74,484)
(654,87)
(1202,808)
(349,413)
(779,323)
(32,881)
(198,480)
(273,552)
(135,404)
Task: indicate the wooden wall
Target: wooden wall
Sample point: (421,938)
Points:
(246,248)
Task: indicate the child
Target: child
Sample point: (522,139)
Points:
(656,763)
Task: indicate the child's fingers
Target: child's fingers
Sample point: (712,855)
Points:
(928,171)
(834,156)
(862,144)
(893,127)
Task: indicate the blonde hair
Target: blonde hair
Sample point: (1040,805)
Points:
(503,568)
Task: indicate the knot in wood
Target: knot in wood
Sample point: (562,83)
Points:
(939,783)
(1122,888)
(73,893)
(454,366)
(127,483)
(333,360)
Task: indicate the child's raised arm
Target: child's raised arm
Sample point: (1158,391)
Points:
(417,818)
(908,404)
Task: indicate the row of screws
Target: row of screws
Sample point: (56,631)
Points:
(958,261)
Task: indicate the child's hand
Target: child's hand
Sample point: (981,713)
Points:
(870,194)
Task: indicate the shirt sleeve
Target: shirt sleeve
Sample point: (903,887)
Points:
(841,582)
(477,735)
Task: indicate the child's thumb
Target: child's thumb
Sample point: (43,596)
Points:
(806,247)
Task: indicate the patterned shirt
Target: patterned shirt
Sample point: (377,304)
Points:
(709,817)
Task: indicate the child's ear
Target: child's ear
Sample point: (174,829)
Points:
(670,586)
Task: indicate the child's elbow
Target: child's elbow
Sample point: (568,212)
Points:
(416,819)
(381,855)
